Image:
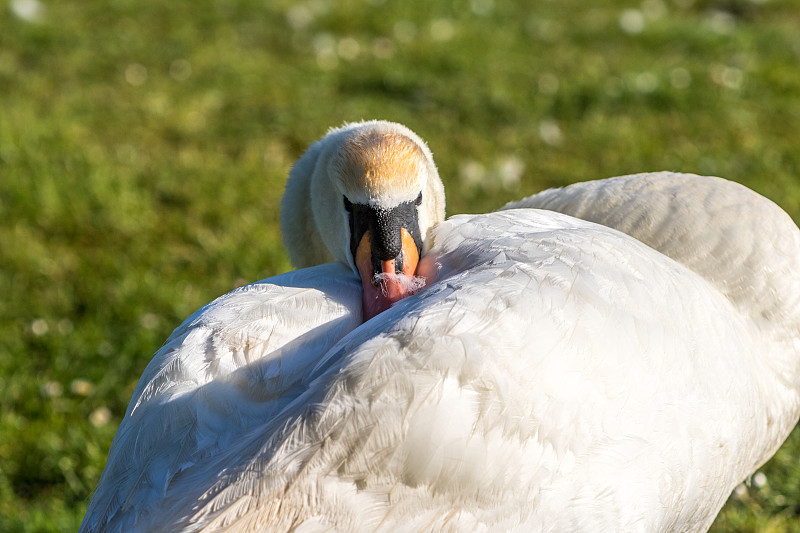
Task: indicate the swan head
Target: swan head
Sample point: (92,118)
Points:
(366,194)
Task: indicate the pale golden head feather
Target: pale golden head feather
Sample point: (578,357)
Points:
(375,162)
(379,167)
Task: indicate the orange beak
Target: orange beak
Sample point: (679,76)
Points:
(380,294)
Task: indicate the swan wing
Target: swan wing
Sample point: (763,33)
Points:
(228,369)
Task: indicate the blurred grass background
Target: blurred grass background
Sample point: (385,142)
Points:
(144,146)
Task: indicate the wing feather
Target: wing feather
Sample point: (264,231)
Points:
(226,370)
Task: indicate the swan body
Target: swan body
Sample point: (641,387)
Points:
(620,365)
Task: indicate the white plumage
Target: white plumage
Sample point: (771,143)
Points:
(557,374)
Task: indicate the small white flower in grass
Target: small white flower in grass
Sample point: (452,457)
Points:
(325,49)
(645,82)
(327,61)
(653,9)
(299,16)
(105,348)
(759,479)
(66,464)
(505,173)
(65,326)
(149,321)
(472,173)
(136,74)
(28,10)
(39,327)
(404,31)
(442,30)
(383,48)
(632,21)
(545,30)
(319,7)
(680,78)
(52,389)
(323,43)
(100,417)
(81,387)
(348,48)
(550,132)
(728,77)
(740,490)
(481,7)
(509,171)
(180,70)
(722,22)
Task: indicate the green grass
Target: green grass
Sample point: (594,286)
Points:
(144,146)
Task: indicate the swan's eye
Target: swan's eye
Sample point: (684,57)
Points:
(418,201)
(347,205)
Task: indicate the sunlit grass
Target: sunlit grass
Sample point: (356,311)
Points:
(144,146)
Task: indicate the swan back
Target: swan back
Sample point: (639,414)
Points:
(739,241)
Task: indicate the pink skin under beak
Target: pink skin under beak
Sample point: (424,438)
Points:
(378,298)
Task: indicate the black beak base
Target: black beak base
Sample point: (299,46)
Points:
(385,227)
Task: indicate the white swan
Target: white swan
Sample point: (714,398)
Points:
(556,374)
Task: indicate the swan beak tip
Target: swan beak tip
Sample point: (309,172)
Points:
(390,287)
